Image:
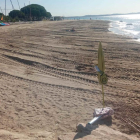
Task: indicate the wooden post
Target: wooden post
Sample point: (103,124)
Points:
(103,95)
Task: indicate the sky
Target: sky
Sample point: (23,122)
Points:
(78,7)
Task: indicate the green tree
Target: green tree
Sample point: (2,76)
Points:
(35,11)
(49,15)
(1,15)
(17,13)
(7,18)
(35,14)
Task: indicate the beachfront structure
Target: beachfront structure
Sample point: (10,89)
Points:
(56,18)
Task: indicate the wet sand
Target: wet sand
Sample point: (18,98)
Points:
(48,83)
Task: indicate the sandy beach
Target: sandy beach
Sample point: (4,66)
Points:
(48,83)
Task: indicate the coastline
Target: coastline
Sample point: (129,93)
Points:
(121,32)
(54,77)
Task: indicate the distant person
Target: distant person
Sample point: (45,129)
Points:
(73,30)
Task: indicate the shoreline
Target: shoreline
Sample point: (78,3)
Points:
(47,73)
(120,33)
(111,21)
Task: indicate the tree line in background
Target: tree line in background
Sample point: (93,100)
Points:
(31,12)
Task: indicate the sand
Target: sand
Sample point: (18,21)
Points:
(48,83)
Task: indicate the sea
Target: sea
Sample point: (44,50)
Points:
(128,25)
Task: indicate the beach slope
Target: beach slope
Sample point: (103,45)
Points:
(48,83)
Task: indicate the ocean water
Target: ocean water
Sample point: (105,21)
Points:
(128,25)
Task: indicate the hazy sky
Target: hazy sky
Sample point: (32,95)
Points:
(79,7)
